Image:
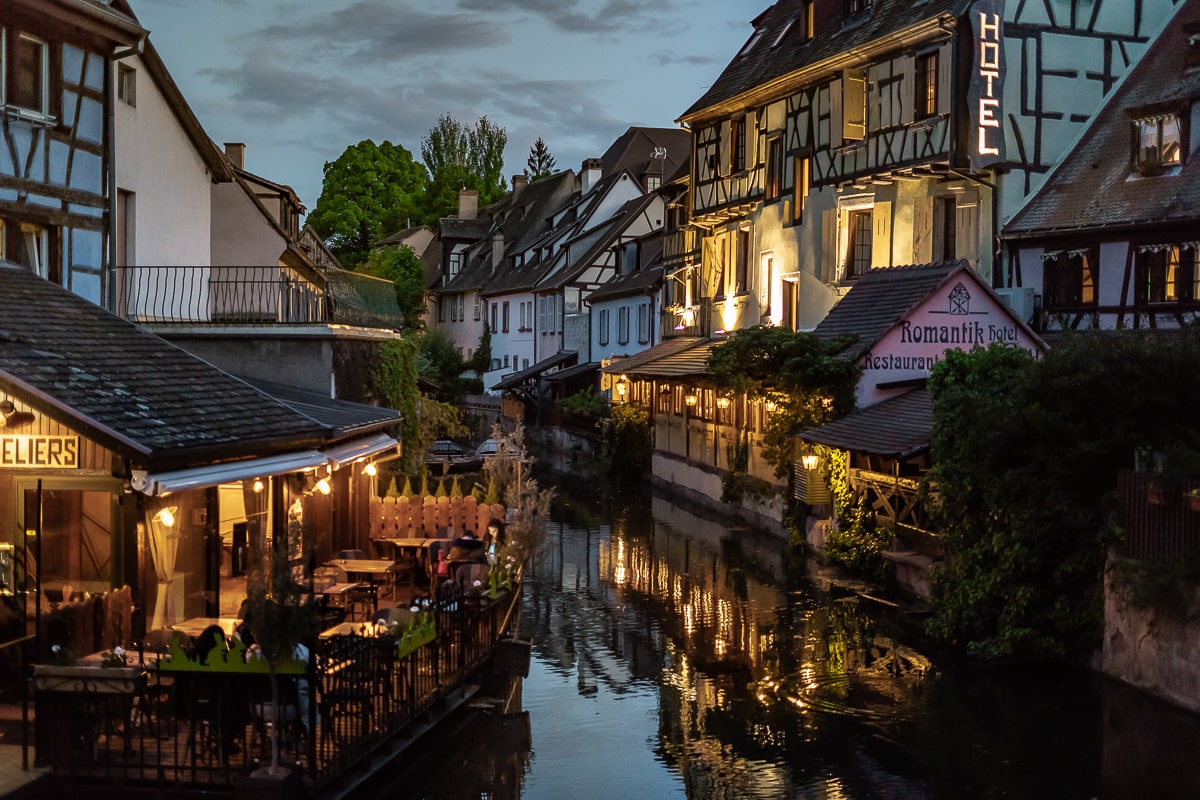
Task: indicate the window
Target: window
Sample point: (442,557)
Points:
(800,180)
(1158,144)
(462,308)
(454,264)
(810,26)
(653,182)
(1165,274)
(926,84)
(643,323)
(31,74)
(127,84)
(442,309)
(948,240)
(774,168)
(453,310)
(524,363)
(478,303)
(858,250)
(737,141)
(766,281)
(602,333)
(1069,279)
(495,310)
(855,6)
(753,40)
(506,362)
(787,26)
(788,319)
(522,318)
(742,263)
(623,325)
(505,328)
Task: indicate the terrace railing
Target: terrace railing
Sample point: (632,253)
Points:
(191,732)
(220,295)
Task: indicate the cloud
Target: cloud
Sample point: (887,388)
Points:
(666,58)
(377,31)
(582,16)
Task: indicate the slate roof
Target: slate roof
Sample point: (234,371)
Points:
(644,280)
(767,61)
(128,389)
(679,344)
(1092,187)
(633,151)
(519,377)
(894,428)
(345,417)
(571,372)
(879,299)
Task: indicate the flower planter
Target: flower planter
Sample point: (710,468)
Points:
(102,680)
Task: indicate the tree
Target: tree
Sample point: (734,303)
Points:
(441,361)
(798,372)
(401,266)
(1025,454)
(461,157)
(481,362)
(541,162)
(369,191)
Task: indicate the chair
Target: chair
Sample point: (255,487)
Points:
(263,715)
(361,602)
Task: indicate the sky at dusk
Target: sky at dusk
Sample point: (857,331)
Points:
(300,81)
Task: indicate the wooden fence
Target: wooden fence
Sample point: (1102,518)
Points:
(430,516)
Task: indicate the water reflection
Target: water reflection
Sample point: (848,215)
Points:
(674,658)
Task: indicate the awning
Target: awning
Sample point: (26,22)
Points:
(633,363)
(161,483)
(348,453)
(517,378)
(570,372)
(895,428)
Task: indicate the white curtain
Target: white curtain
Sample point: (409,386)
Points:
(164,546)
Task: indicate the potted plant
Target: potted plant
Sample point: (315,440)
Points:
(1193,499)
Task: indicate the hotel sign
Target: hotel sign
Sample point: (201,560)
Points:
(987,85)
(39,452)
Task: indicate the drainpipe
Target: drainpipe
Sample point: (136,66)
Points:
(109,277)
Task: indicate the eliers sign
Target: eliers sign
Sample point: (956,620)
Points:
(987,84)
(41,452)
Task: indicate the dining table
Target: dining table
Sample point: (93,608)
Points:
(370,569)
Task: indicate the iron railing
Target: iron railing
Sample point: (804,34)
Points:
(1160,519)
(195,732)
(220,295)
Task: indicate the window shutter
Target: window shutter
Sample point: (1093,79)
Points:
(835,113)
(725,150)
(907,97)
(922,230)
(966,238)
(881,242)
(751,133)
(829,245)
(872,96)
(943,85)
(854,106)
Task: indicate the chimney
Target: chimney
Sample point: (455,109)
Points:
(497,250)
(519,182)
(236,153)
(589,173)
(468,204)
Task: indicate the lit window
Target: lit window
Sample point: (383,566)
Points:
(810,25)
(927,81)
(1069,279)
(800,183)
(1158,143)
(774,168)
(1165,274)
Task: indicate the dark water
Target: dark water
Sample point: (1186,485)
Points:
(675,658)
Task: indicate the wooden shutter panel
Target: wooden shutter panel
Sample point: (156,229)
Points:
(922,230)
(854,105)
(966,238)
(872,96)
(749,130)
(829,245)
(881,242)
(725,151)
(943,87)
(908,92)
(835,113)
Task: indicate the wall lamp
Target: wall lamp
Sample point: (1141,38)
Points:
(691,399)
(722,402)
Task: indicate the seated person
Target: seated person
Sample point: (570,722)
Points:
(493,538)
(466,549)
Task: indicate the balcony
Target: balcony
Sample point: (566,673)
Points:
(689,321)
(221,295)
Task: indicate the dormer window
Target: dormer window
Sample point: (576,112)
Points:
(855,6)
(753,40)
(1157,144)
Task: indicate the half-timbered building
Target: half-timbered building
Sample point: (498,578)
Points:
(1111,239)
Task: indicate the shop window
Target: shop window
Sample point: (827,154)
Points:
(1069,279)
(926,85)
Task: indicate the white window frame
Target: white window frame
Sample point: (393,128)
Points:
(127,84)
(43,111)
(36,239)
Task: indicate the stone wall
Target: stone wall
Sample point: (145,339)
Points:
(1153,649)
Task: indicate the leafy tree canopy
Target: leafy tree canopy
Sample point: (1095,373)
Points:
(442,363)
(458,157)
(369,191)
(796,371)
(1025,456)
(541,162)
(401,266)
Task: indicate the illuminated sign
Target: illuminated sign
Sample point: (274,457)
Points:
(42,452)
(987,85)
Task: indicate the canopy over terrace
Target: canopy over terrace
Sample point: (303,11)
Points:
(897,428)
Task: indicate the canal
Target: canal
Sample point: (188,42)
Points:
(676,658)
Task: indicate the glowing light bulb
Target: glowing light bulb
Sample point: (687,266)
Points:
(370,469)
(258,485)
(323,486)
(167,517)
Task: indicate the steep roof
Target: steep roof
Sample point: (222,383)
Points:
(644,280)
(879,299)
(613,228)
(1093,186)
(634,151)
(773,57)
(127,388)
(670,347)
